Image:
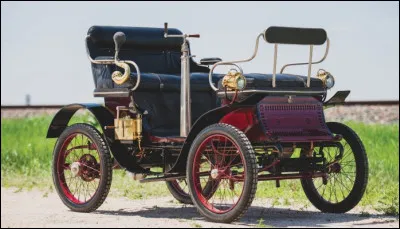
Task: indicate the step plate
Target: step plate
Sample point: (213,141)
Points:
(295,119)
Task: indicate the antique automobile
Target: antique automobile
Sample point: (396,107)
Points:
(211,137)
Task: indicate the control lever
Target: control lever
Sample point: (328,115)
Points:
(183,35)
(119,40)
(165,29)
(185,114)
(117,76)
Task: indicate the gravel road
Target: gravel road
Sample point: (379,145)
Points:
(39,209)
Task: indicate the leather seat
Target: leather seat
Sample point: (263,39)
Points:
(160,82)
(199,82)
(160,66)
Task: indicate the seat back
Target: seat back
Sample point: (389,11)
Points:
(147,47)
(295,36)
(158,59)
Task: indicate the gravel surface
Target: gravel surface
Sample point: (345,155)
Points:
(39,209)
(25,113)
(366,114)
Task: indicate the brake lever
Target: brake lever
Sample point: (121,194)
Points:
(181,36)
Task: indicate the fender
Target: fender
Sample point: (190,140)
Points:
(209,118)
(105,118)
(337,99)
(61,119)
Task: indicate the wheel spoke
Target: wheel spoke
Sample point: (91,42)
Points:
(342,174)
(222,195)
(81,185)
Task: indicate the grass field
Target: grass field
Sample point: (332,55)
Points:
(26,161)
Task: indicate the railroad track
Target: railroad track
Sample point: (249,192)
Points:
(349,103)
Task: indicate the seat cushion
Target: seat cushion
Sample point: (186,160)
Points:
(169,82)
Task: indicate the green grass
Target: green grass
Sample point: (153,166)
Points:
(382,145)
(26,161)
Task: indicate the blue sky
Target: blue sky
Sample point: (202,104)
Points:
(43,52)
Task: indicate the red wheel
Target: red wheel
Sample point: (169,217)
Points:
(82,168)
(179,190)
(224,154)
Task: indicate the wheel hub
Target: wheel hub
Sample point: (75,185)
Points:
(214,174)
(335,168)
(75,168)
(90,167)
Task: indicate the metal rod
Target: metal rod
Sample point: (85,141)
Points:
(185,115)
(154,179)
(309,65)
(275,60)
(316,62)
(112,61)
(273,92)
(170,177)
(290,176)
(233,63)
(286,176)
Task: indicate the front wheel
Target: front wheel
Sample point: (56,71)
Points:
(224,154)
(347,174)
(82,168)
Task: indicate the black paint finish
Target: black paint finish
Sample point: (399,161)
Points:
(295,36)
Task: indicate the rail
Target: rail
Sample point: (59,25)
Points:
(348,103)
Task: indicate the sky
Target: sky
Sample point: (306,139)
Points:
(43,52)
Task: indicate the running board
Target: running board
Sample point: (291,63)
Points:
(163,178)
(170,177)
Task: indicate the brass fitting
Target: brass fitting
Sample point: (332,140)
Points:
(234,80)
(324,76)
(127,128)
(118,77)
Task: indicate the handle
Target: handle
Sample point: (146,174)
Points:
(119,40)
(194,35)
(176,35)
(165,29)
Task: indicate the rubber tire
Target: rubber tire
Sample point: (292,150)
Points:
(250,185)
(182,198)
(105,165)
(186,198)
(361,179)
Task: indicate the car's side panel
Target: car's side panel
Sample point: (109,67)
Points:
(246,120)
(209,118)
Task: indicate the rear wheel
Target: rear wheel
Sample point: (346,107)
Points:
(180,190)
(82,168)
(223,154)
(347,174)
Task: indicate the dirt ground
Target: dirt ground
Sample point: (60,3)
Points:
(39,209)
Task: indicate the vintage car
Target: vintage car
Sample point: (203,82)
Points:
(211,137)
